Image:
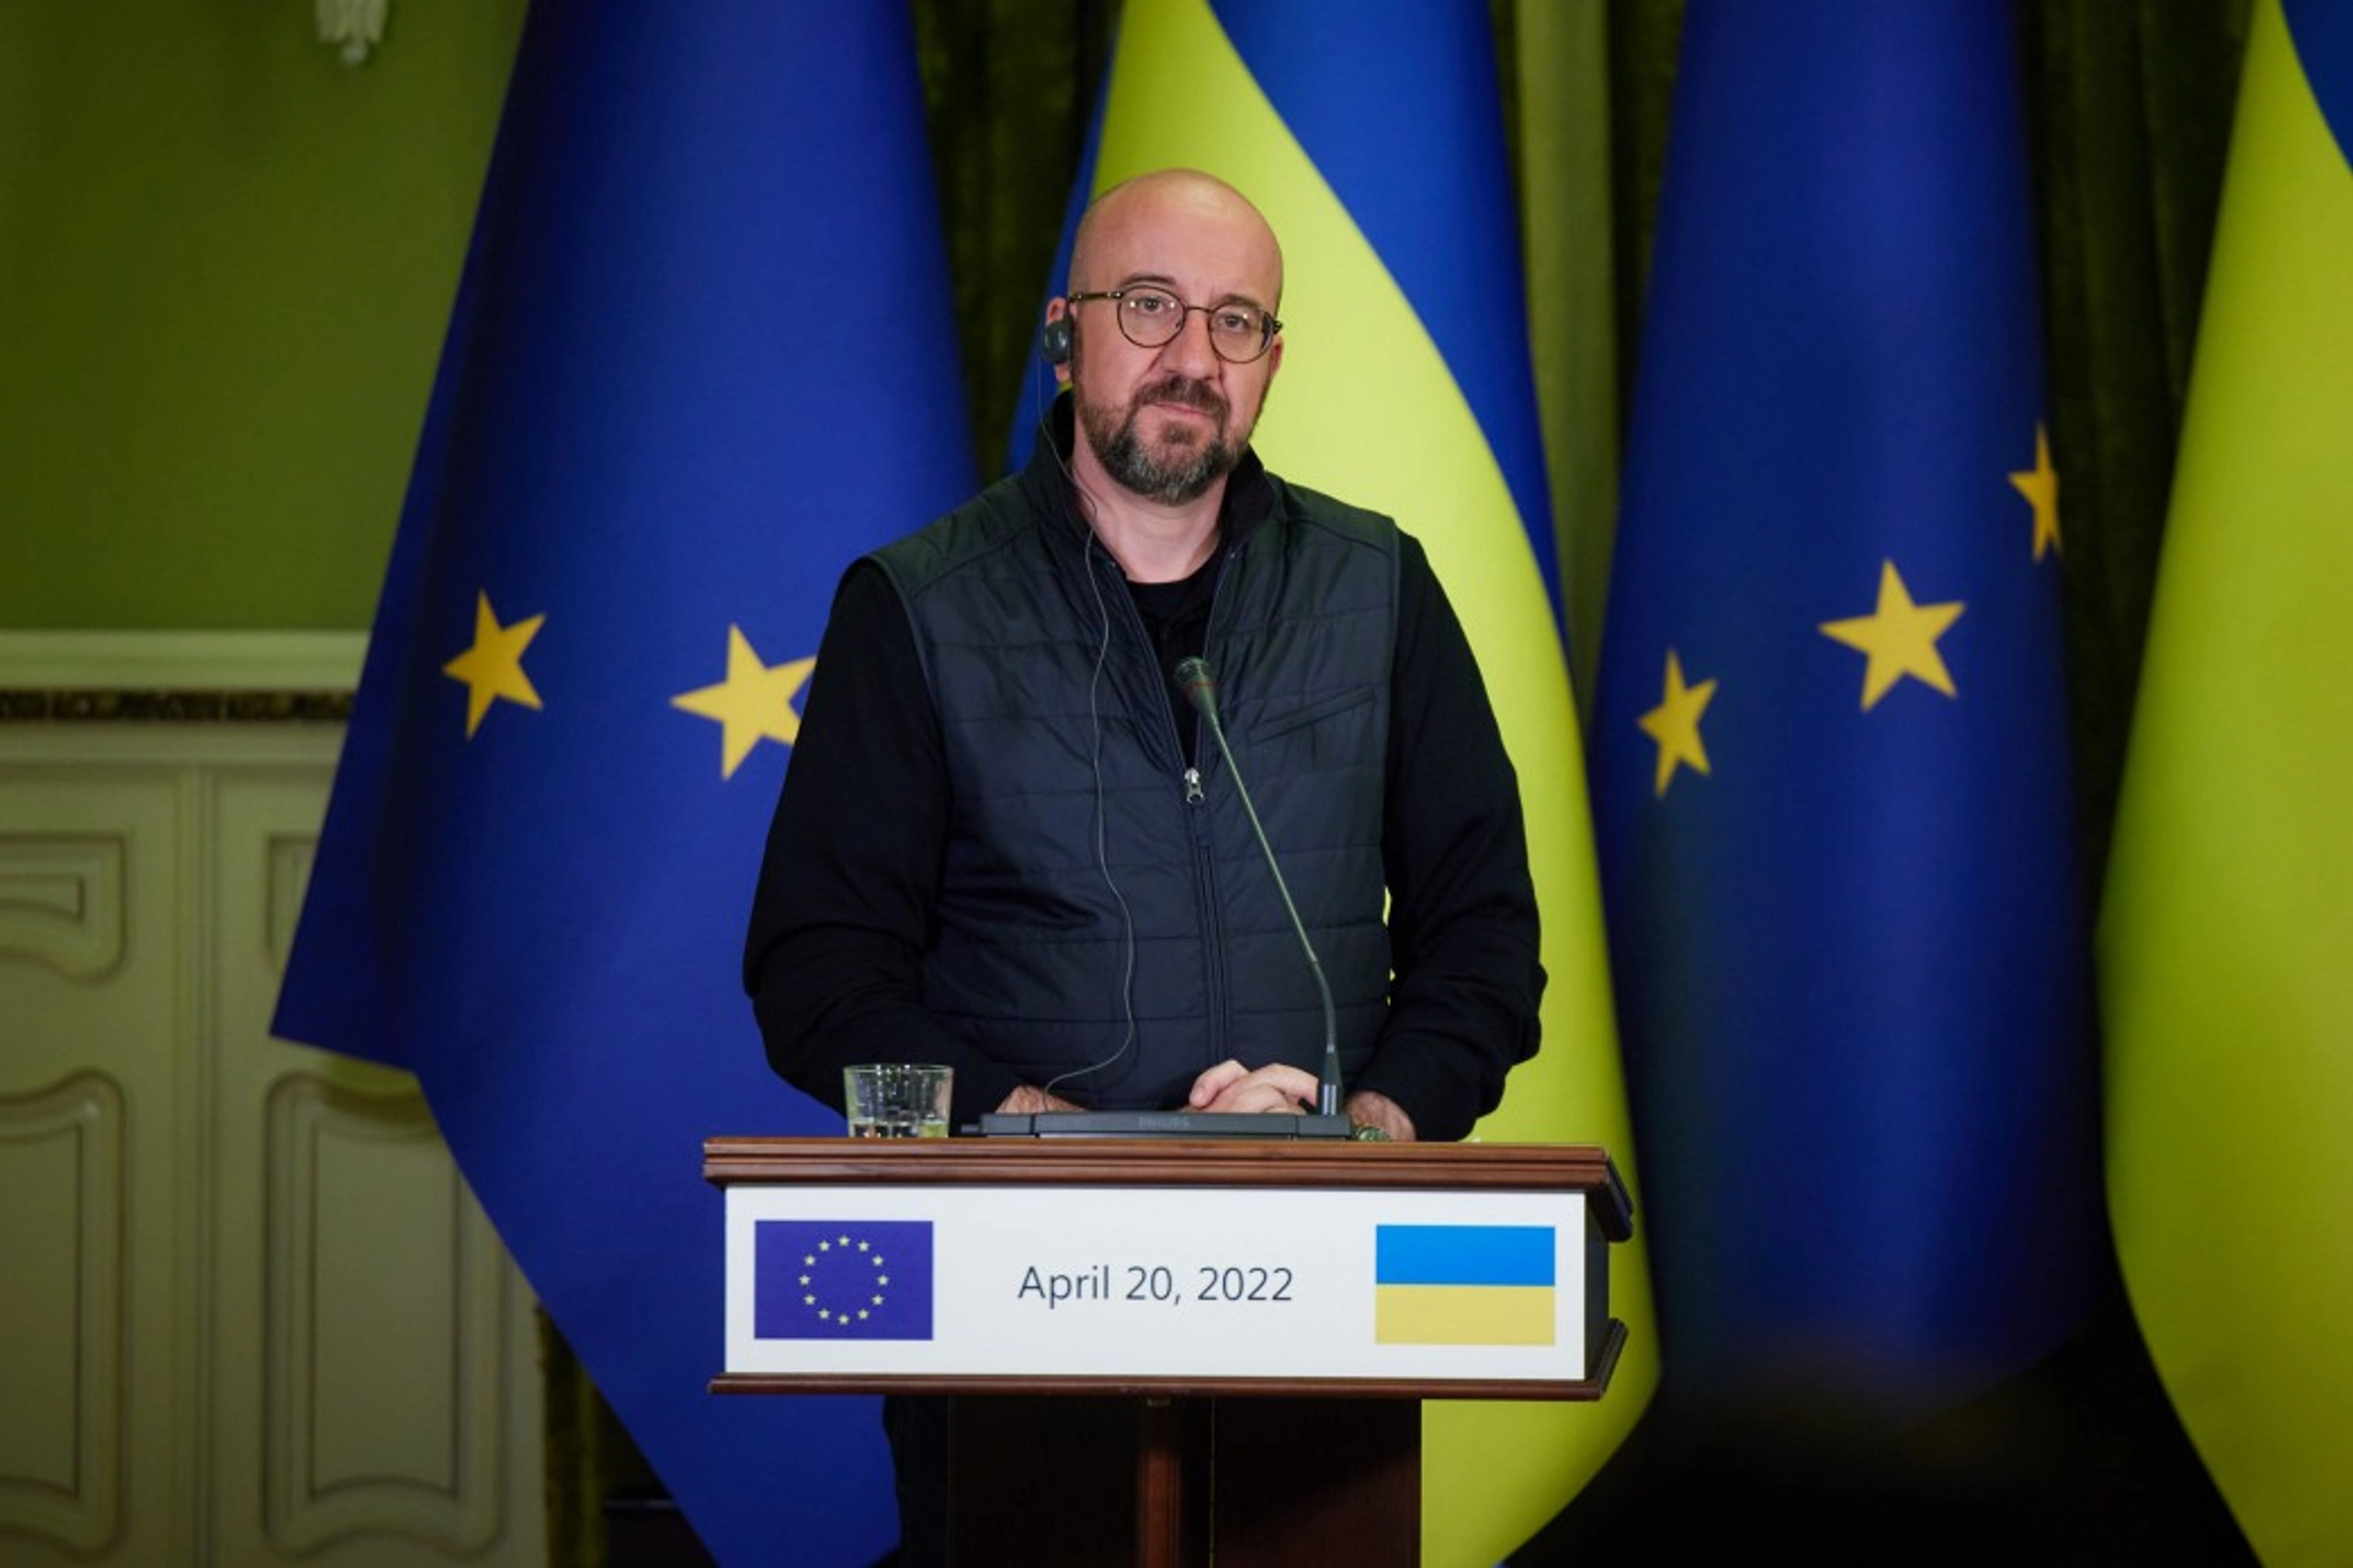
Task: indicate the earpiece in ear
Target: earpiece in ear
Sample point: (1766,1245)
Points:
(1054,341)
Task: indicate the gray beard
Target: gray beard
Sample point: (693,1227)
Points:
(1175,481)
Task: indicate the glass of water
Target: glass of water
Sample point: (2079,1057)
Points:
(897,1099)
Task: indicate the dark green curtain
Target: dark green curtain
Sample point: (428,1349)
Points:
(1011,85)
(2129,104)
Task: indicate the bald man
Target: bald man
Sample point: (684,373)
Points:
(1003,843)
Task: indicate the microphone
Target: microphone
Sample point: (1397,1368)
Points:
(1199,686)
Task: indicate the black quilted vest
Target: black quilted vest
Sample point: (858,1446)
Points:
(1080,846)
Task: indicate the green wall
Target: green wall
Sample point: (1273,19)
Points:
(226,260)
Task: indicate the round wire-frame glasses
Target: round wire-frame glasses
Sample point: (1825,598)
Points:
(1151,318)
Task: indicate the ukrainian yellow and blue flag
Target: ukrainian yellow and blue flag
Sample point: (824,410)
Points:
(666,419)
(1831,764)
(2228,923)
(1372,140)
(1463,1285)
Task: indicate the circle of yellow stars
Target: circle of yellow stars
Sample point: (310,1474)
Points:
(1898,639)
(754,701)
(842,1317)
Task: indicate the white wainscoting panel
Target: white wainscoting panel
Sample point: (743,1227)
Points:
(61,1363)
(249,1313)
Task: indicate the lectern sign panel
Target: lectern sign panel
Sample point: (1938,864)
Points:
(1152,1282)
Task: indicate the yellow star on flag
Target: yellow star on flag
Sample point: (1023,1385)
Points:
(2040,485)
(1899,637)
(753,704)
(493,667)
(1674,723)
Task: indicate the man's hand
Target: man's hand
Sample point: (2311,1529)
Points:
(1027,1101)
(1380,1110)
(1230,1086)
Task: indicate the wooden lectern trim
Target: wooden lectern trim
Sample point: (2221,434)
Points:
(846,1161)
(1221,1388)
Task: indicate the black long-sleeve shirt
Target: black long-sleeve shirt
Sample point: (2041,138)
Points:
(840,923)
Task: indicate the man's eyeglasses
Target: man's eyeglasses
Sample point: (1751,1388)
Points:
(1151,318)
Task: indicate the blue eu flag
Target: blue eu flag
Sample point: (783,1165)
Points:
(842,1279)
(1831,772)
(700,358)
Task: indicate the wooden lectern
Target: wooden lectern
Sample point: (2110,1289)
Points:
(1182,1345)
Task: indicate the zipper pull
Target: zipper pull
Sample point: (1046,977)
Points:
(1192,786)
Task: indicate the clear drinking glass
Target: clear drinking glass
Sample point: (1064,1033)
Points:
(896,1100)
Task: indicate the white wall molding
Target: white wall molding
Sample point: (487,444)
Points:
(181,661)
(60,900)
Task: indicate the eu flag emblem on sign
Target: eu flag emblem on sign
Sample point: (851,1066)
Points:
(842,1279)
(1463,1284)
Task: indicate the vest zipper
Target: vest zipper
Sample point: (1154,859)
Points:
(1214,1041)
(1218,1045)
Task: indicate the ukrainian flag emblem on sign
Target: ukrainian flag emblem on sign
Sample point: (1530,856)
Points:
(1463,1284)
